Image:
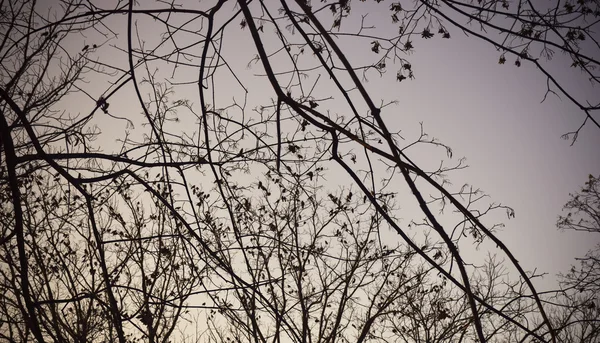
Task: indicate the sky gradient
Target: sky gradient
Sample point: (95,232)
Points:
(489,113)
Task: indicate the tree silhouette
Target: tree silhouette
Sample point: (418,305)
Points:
(577,314)
(220,172)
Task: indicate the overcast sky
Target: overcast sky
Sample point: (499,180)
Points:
(489,113)
(492,115)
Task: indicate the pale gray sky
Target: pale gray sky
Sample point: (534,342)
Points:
(489,113)
(492,115)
